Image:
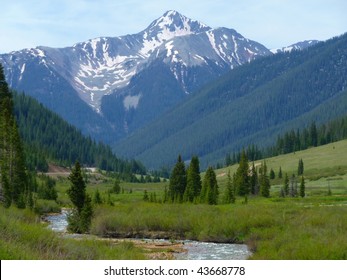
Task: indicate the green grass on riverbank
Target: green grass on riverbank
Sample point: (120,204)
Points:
(273,229)
(24,237)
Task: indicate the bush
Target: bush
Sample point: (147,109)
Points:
(43,206)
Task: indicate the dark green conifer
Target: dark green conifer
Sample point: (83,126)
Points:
(194,186)
(300,167)
(286,184)
(242,180)
(272,174)
(302,187)
(264,180)
(280,173)
(80,218)
(229,196)
(209,192)
(77,190)
(178,181)
(13,177)
(254,182)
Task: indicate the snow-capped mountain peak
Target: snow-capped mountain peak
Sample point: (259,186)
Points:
(173,24)
(171,58)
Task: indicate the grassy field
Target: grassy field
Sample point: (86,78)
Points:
(313,227)
(24,236)
(292,228)
(324,166)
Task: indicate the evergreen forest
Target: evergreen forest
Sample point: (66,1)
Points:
(48,138)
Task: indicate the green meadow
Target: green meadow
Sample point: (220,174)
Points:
(313,227)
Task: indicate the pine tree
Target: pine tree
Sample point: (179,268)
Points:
(229,196)
(272,174)
(254,182)
(280,173)
(86,215)
(209,192)
(300,167)
(77,191)
(178,181)
(264,181)
(302,187)
(242,176)
(80,218)
(194,186)
(13,179)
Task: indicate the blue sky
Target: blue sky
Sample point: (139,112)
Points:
(60,23)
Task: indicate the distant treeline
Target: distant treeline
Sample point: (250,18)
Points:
(48,138)
(298,140)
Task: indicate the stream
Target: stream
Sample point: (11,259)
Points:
(195,250)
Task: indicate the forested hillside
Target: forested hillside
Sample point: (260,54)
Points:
(251,105)
(295,140)
(48,137)
(13,178)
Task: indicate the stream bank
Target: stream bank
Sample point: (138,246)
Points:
(166,249)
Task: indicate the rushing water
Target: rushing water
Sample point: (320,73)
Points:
(195,250)
(58,222)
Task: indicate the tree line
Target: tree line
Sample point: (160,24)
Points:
(295,140)
(248,180)
(186,184)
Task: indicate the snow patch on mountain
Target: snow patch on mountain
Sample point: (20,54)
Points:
(131,101)
(297,46)
(104,65)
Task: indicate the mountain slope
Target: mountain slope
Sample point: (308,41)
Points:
(251,104)
(296,47)
(73,81)
(48,138)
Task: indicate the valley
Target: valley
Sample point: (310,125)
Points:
(183,133)
(273,228)
(118,89)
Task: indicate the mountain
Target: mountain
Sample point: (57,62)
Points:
(49,139)
(297,46)
(250,105)
(111,86)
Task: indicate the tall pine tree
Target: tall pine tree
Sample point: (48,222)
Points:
(193,188)
(264,181)
(302,187)
(80,218)
(209,192)
(229,196)
(242,178)
(178,181)
(13,179)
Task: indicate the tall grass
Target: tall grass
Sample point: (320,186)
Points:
(23,236)
(278,229)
